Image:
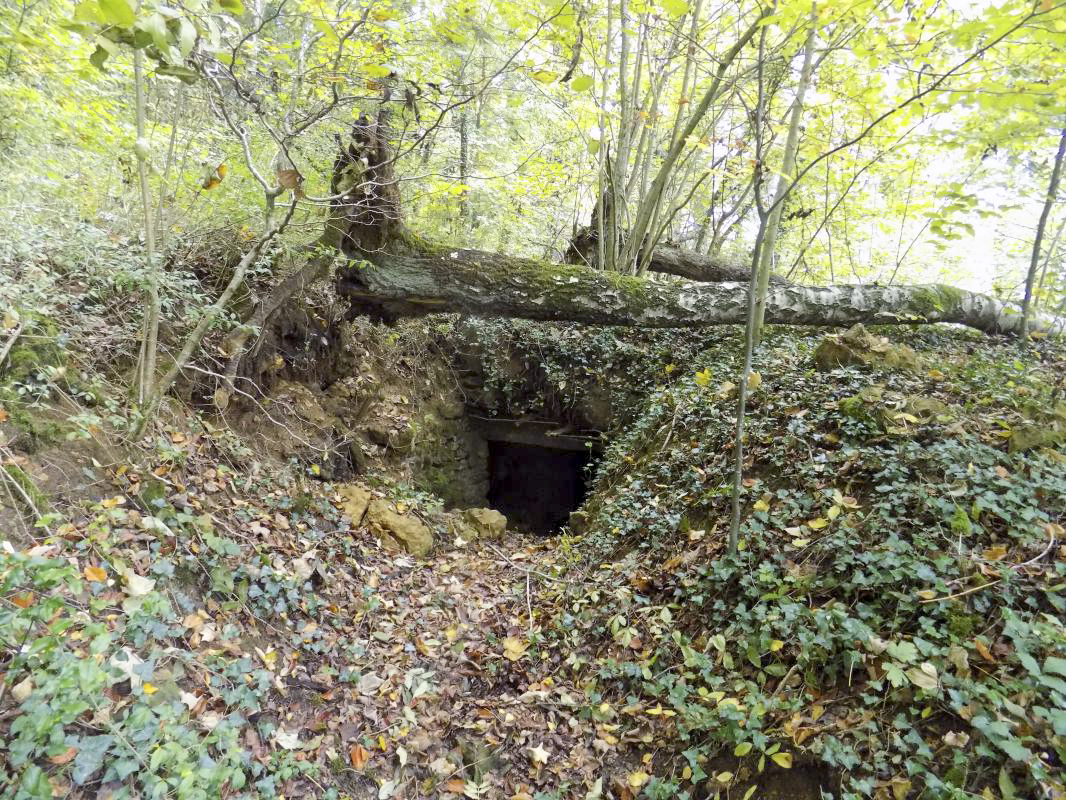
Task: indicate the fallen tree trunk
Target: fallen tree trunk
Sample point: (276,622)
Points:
(395,272)
(693,266)
(668,259)
(491,284)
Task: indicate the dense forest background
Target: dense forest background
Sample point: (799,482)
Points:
(510,121)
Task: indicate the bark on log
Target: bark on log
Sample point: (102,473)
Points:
(490,284)
(693,266)
(670,260)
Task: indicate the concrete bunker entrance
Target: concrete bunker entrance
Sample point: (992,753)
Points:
(536,475)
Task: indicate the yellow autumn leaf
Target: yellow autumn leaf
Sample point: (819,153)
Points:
(754,381)
(514,648)
(783,760)
(638,779)
(818,523)
(996,553)
(95,574)
(761,505)
(149,688)
(776,645)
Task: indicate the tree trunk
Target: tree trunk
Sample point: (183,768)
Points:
(668,259)
(464,169)
(788,165)
(491,284)
(1052,191)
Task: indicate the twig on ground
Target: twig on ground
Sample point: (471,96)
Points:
(11,342)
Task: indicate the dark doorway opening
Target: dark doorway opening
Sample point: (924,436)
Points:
(536,488)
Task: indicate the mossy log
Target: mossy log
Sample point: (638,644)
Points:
(393,271)
(491,284)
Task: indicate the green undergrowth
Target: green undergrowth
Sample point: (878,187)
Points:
(130,668)
(894,615)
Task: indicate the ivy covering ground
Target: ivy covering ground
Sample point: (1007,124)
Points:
(201,627)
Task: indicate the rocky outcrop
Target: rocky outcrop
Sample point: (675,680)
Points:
(355,500)
(483,523)
(398,531)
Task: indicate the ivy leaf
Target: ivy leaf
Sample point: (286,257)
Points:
(91,751)
(895,674)
(903,651)
(1055,665)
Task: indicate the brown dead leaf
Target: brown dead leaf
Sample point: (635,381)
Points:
(289,178)
(65,757)
(359,755)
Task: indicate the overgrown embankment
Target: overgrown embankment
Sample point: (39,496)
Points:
(894,616)
(206,615)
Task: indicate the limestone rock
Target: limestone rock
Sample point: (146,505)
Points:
(578,522)
(378,433)
(395,436)
(484,523)
(857,347)
(355,500)
(451,408)
(401,531)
